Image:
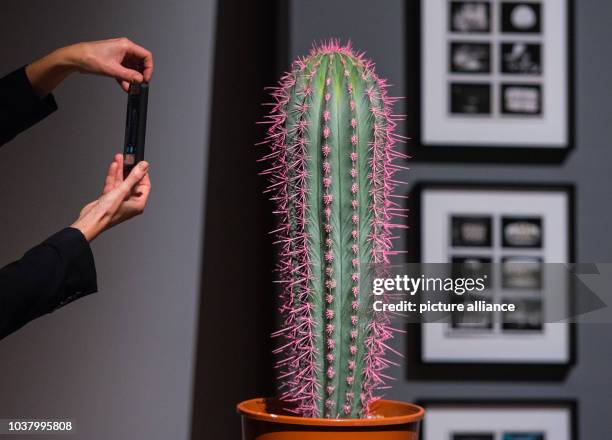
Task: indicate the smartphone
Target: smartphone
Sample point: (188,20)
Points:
(135,126)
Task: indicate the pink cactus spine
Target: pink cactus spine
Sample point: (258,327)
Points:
(332,158)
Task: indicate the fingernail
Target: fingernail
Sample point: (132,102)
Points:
(143,166)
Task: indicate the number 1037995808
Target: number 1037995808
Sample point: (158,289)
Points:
(31,426)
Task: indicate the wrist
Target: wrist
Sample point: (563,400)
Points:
(48,72)
(88,231)
(66,59)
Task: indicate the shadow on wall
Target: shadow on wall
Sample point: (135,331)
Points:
(233,360)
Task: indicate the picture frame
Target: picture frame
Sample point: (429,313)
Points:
(498,347)
(502,419)
(494,91)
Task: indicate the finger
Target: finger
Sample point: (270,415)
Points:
(109,181)
(124,85)
(144,57)
(125,74)
(135,176)
(142,188)
(146,181)
(119,170)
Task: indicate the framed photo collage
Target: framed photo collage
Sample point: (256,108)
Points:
(494,83)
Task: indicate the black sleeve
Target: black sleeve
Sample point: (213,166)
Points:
(58,271)
(20,106)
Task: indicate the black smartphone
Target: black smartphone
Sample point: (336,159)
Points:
(135,126)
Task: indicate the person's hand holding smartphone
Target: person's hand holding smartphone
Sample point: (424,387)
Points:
(121,199)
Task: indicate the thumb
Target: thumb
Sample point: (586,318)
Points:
(124,74)
(135,176)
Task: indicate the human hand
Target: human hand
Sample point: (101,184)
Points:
(120,200)
(117,58)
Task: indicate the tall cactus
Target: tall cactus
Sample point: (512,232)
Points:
(331,178)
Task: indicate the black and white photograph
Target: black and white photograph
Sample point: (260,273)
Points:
(521,58)
(506,67)
(535,419)
(521,99)
(521,272)
(513,231)
(528,315)
(472,320)
(470,98)
(470,57)
(470,16)
(522,17)
(473,436)
(521,232)
(471,231)
(524,436)
(473,266)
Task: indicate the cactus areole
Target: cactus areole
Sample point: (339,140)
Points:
(331,170)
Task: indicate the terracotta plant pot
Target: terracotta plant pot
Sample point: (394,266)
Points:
(392,420)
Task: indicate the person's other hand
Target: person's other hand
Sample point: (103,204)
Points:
(118,58)
(120,200)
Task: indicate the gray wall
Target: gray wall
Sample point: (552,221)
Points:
(378,28)
(120,362)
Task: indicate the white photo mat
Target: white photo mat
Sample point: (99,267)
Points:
(438,205)
(440,127)
(444,421)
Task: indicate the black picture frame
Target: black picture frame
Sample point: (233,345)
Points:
(421,152)
(417,368)
(571,405)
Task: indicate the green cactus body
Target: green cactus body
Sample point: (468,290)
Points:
(331,178)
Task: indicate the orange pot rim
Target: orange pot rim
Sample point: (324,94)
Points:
(256,409)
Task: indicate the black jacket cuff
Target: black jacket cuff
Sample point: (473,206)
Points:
(76,253)
(22,104)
